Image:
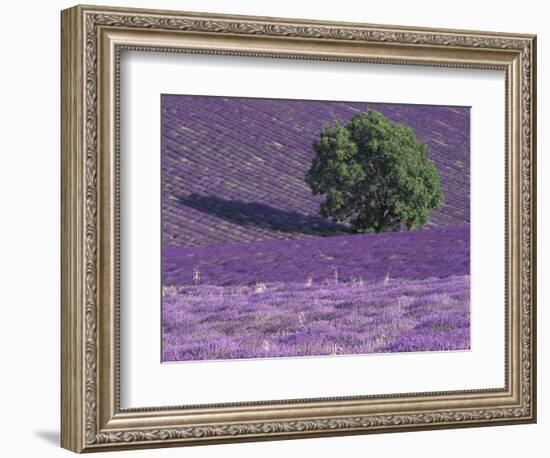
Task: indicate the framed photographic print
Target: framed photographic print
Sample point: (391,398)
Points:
(279,228)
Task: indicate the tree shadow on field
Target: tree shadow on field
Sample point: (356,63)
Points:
(263,216)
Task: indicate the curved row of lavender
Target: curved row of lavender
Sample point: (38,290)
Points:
(251,270)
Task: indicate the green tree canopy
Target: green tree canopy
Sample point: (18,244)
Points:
(374,174)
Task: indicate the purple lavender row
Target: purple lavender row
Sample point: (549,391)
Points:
(436,252)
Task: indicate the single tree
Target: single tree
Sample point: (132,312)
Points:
(374,174)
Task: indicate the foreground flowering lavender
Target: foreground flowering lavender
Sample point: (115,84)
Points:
(393,292)
(303,319)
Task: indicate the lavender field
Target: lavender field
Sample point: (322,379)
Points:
(298,319)
(233,168)
(437,252)
(404,291)
(250,269)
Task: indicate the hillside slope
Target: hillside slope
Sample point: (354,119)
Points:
(233,168)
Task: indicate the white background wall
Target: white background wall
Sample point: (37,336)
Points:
(29,226)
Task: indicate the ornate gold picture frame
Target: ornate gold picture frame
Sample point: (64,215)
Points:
(93,39)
